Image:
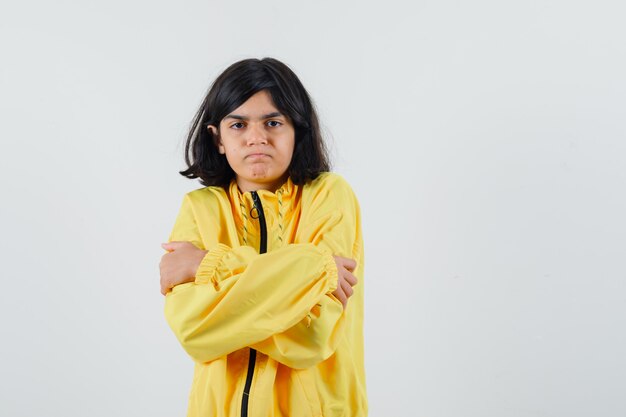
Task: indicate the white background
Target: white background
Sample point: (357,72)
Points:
(485,140)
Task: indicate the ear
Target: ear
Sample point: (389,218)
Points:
(216,137)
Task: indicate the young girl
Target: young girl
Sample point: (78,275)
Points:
(263,279)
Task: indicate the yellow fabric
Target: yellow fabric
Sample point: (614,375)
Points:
(310,350)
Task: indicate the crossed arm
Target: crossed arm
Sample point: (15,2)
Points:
(183,259)
(288,303)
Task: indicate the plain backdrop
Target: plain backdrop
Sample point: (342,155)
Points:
(485,140)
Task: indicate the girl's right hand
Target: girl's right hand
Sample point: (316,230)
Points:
(345,279)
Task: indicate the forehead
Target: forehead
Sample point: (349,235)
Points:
(258,104)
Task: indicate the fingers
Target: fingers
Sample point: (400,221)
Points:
(347,289)
(341,296)
(170,246)
(349,264)
(343,292)
(166,273)
(350,278)
(345,281)
(347,269)
(164,285)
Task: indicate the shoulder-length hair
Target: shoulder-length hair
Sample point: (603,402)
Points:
(230,90)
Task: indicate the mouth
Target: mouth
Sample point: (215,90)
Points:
(257,155)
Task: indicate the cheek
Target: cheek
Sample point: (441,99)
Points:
(232,147)
(290,145)
(287,153)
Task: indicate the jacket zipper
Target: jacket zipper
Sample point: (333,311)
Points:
(252,359)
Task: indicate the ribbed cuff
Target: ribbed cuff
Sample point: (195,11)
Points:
(207,270)
(331,272)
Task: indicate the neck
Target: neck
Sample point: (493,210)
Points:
(245,186)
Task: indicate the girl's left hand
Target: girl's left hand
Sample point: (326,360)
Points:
(179,265)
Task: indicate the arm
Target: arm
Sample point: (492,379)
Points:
(235,300)
(311,340)
(332,224)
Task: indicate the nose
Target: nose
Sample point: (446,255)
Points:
(256,134)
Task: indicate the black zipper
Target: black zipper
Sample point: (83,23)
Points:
(261,216)
(263,248)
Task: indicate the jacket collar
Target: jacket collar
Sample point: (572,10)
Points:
(277,204)
(267,197)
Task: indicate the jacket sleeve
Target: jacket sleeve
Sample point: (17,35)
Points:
(239,297)
(312,340)
(332,224)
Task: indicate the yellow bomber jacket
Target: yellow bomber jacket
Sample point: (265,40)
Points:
(266,334)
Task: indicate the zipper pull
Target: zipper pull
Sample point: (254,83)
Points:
(257,203)
(261,216)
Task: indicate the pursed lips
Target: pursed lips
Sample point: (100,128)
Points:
(257,155)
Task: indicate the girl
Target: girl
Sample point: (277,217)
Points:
(263,275)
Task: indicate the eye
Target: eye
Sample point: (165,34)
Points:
(274,123)
(238,125)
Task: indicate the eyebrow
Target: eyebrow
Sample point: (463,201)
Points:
(265,116)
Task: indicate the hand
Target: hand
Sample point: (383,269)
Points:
(179,265)
(345,279)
